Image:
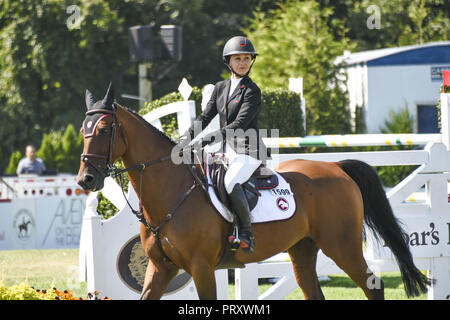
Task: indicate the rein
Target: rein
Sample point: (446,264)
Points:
(111,170)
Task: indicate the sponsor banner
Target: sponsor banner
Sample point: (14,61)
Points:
(428,237)
(5,225)
(23,224)
(48,223)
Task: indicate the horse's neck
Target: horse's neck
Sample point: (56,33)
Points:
(161,181)
(144,142)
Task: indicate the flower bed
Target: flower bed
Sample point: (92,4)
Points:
(24,292)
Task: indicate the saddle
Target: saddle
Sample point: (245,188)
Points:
(262,179)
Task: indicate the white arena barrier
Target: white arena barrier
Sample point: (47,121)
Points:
(40,212)
(426,219)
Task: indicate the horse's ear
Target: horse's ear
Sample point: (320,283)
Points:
(109,97)
(89,99)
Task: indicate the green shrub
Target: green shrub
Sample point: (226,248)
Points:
(281,110)
(169,123)
(400,121)
(105,208)
(13,162)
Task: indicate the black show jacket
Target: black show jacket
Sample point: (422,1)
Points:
(240,111)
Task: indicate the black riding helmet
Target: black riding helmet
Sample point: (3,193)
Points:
(238,45)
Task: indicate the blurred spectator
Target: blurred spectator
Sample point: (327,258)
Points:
(31,164)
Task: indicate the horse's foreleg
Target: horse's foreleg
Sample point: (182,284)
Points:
(205,281)
(156,280)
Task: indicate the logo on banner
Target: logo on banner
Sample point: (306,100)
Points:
(23,226)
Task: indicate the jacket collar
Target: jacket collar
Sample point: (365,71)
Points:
(241,86)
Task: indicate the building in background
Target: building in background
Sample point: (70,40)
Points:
(390,79)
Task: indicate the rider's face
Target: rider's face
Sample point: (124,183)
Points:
(241,63)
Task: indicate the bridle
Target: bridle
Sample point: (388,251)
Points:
(109,169)
(87,157)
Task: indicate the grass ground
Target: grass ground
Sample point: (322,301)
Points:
(43,269)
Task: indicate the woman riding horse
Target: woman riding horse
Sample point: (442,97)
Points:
(181,229)
(237,100)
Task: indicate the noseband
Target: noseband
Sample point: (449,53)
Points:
(87,157)
(109,169)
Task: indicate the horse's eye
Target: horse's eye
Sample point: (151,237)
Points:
(104,130)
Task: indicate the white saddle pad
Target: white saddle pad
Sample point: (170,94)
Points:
(273,204)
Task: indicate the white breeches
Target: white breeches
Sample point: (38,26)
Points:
(240,168)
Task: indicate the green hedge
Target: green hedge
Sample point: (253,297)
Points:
(169,123)
(280,110)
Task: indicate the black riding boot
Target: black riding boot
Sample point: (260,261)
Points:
(240,207)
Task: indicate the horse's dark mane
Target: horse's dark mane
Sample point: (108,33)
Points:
(149,125)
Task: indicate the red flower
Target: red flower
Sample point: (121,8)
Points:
(446,77)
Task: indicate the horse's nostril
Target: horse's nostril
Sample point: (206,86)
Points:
(88,178)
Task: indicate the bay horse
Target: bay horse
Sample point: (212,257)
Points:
(182,230)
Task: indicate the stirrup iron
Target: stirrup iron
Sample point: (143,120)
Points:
(234,239)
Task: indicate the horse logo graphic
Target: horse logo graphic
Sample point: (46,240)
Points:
(282,204)
(23,226)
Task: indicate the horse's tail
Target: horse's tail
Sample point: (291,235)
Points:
(379,217)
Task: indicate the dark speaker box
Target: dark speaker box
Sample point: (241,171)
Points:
(171,39)
(140,43)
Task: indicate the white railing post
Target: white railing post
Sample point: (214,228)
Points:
(186,116)
(246,282)
(437,197)
(445,119)
(90,271)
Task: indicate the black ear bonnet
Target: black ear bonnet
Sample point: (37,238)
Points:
(96,111)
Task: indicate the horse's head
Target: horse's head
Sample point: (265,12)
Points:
(103,141)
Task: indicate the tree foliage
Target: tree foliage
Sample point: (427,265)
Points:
(295,40)
(402,22)
(45,66)
(400,121)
